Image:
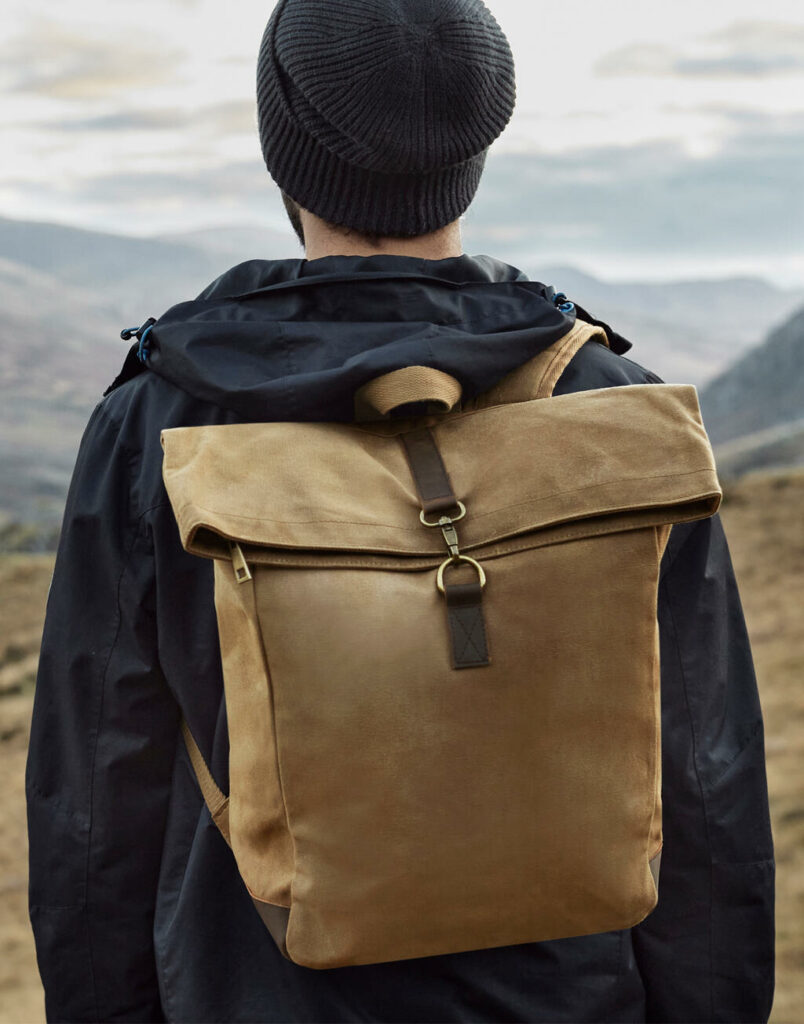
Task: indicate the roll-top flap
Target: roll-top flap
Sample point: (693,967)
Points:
(616,458)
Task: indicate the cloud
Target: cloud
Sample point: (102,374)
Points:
(744,49)
(746,197)
(170,119)
(50,60)
(237,117)
(241,183)
(653,197)
(590,206)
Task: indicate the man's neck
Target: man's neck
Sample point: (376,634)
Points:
(321,240)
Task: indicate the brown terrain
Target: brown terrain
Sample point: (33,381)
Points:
(763,519)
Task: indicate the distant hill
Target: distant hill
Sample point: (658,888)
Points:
(60,348)
(238,243)
(686,331)
(133,277)
(762,389)
(754,411)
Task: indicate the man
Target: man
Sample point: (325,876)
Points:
(375,117)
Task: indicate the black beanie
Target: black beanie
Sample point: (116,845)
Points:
(377,114)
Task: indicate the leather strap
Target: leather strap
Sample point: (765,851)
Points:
(214,798)
(464,600)
(563,352)
(466,626)
(401,387)
(429,472)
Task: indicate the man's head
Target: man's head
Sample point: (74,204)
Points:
(375,115)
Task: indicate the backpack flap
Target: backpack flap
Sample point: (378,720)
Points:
(530,473)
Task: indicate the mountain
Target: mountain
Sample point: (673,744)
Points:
(763,389)
(239,242)
(686,331)
(59,353)
(754,411)
(133,278)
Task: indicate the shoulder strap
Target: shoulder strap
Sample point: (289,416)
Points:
(538,377)
(214,798)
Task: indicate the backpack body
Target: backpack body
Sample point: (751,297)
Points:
(441,660)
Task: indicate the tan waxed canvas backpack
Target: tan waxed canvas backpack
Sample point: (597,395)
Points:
(440,655)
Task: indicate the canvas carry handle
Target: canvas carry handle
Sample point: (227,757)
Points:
(538,377)
(379,397)
(535,379)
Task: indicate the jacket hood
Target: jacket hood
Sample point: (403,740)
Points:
(294,339)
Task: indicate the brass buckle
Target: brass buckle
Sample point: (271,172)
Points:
(449,519)
(453,560)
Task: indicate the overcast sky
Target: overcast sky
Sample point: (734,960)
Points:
(648,135)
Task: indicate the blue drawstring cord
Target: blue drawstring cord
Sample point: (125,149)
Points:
(563,303)
(141,334)
(143,350)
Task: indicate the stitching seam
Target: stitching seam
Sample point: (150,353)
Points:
(468,630)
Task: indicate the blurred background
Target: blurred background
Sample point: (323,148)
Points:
(653,171)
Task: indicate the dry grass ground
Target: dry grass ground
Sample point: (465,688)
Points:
(763,518)
(24,580)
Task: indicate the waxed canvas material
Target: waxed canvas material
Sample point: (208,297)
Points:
(400,808)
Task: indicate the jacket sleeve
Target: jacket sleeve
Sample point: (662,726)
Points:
(706,953)
(103,740)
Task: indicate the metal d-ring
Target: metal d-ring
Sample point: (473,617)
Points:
(452,519)
(453,560)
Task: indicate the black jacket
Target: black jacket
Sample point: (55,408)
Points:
(137,907)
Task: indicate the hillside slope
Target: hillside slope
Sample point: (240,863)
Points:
(754,411)
(61,347)
(137,277)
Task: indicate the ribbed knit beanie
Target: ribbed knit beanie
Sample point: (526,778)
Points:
(377,114)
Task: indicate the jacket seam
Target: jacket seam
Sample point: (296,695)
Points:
(672,619)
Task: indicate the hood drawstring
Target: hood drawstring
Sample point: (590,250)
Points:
(141,334)
(563,303)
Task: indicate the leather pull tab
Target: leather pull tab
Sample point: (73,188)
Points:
(429,472)
(467,627)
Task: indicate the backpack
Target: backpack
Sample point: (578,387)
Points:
(440,655)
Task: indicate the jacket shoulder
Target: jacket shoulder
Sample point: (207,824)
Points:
(595,366)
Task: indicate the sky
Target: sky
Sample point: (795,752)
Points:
(650,139)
